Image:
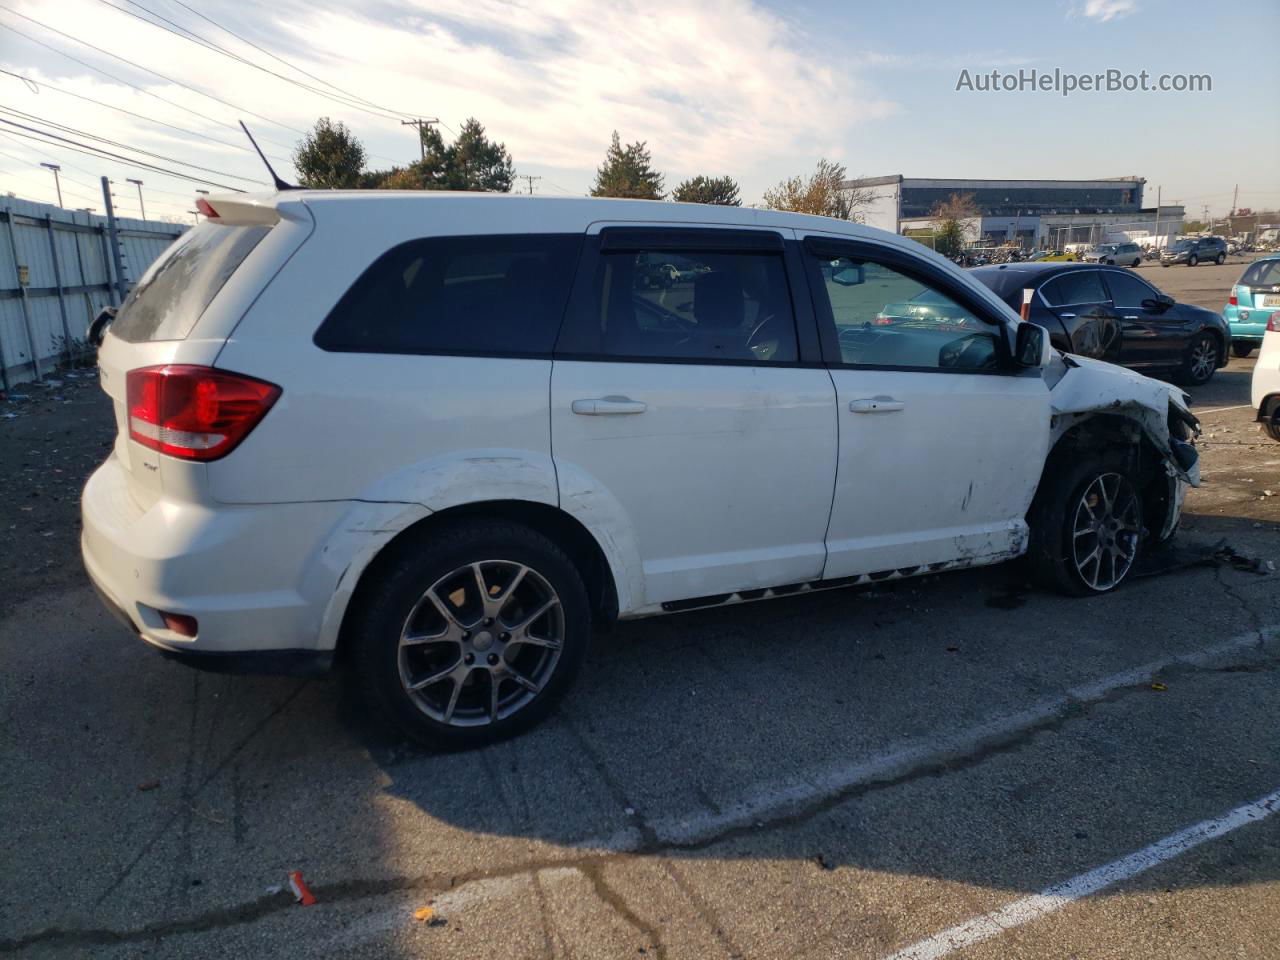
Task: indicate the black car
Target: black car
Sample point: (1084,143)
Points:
(1113,315)
(1194,250)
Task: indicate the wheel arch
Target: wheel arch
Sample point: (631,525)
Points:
(1123,437)
(567,532)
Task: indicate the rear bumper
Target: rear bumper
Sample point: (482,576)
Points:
(255,577)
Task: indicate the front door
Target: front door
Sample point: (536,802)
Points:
(1152,338)
(684,416)
(942,440)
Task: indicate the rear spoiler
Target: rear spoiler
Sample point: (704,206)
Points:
(252,209)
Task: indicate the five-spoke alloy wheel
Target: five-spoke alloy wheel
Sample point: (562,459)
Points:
(469,632)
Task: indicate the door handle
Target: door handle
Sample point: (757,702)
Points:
(1128,318)
(608,407)
(876,405)
(1067,316)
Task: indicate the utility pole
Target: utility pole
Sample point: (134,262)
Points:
(421,124)
(1157,240)
(141,205)
(56,182)
(113,238)
(1235,195)
(530,178)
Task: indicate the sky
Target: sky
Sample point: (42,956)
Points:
(757,89)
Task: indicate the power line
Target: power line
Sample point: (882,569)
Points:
(137,66)
(115,143)
(130,113)
(93,151)
(287,63)
(192,37)
(134,86)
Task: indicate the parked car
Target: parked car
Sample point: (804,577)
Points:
(1115,315)
(1253,301)
(1113,254)
(438,438)
(1265,391)
(1195,250)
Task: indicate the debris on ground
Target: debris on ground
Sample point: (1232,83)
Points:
(301,892)
(423,914)
(1159,687)
(1173,558)
(148,785)
(274,889)
(1238,561)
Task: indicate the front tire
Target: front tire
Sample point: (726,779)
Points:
(1086,527)
(1192,260)
(473,634)
(1222,258)
(1201,360)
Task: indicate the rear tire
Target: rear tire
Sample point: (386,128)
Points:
(1201,360)
(1272,426)
(465,628)
(1241,350)
(1080,546)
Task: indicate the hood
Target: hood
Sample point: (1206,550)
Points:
(1082,386)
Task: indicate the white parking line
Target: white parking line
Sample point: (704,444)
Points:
(1238,406)
(1062,894)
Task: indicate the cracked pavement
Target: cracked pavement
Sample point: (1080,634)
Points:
(835,774)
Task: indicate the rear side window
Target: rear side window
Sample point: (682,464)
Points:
(178,286)
(1264,273)
(1078,286)
(699,305)
(500,295)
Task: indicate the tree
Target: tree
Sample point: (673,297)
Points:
(628,172)
(821,193)
(329,156)
(718,190)
(472,162)
(953,222)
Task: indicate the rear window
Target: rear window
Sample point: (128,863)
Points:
(180,285)
(1264,273)
(501,295)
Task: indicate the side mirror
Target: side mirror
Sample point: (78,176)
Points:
(98,328)
(1031,345)
(1158,304)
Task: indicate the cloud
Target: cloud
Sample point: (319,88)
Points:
(1104,10)
(723,86)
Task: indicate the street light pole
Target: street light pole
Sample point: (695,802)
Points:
(56,182)
(141,205)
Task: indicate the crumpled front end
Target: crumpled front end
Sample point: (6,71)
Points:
(1087,394)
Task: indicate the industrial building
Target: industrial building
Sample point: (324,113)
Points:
(1030,213)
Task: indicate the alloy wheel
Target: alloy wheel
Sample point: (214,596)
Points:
(481,643)
(1106,531)
(1204,359)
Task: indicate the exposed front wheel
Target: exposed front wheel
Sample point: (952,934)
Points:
(1201,360)
(1086,528)
(472,635)
(1192,260)
(1240,349)
(1222,258)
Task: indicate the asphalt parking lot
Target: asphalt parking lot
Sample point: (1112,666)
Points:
(899,770)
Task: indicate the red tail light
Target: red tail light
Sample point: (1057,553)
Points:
(195,413)
(1273,325)
(1233,301)
(205,207)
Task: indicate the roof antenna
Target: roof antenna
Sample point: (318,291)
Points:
(280,184)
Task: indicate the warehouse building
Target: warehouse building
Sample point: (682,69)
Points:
(1030,213)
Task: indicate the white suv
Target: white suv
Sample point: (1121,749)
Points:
(442,436)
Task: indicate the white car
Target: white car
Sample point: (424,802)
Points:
(440,437)
(1265,392)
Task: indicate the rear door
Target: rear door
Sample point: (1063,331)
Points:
(942,440)
(692,418)
(1081,303)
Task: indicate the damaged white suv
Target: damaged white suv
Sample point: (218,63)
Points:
(441,437)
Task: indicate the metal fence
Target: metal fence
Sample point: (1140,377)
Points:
(57,270)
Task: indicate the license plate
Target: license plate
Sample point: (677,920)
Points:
(1271,300)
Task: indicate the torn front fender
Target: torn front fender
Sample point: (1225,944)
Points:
(1080,387)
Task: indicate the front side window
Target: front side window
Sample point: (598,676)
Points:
(500,295)
(1128,292)
(692,305)
(885,318)
(1078,286)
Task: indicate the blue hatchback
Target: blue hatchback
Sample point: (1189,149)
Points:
(1253,301)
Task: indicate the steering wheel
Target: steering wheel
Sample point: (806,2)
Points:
(967,353)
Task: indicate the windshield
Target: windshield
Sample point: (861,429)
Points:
(183,281)
(1107,248)
(1184,245)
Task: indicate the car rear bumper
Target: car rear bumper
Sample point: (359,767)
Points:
(248,574)
(1251,329)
